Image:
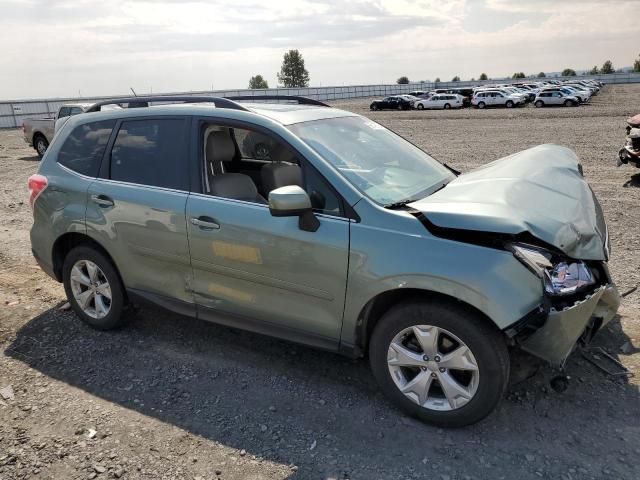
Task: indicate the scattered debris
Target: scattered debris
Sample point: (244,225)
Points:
(313,445)
(7,393)
(65,307)
(626,348)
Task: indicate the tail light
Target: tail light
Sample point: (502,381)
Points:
(36,183)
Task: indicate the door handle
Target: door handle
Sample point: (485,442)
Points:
(102,200)
(205,223)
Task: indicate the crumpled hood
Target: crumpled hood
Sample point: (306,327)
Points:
(539,190)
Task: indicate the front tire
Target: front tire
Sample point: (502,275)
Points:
(41,144)
(93,288)
(481,105)
(539,104)
(568,103)
(447,106)
(420,106)
(509,104)
(439,362)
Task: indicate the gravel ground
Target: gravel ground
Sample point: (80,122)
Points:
(171,397)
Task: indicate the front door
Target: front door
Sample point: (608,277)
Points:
(261,272)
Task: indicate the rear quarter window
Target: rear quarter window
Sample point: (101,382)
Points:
(83,149)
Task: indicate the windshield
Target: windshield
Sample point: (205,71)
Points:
(379,163)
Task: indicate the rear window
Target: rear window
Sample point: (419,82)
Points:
(151,152)
(83,149)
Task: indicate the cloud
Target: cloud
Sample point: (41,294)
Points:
(57,48)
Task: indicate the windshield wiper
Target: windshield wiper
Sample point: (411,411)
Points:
(403,203)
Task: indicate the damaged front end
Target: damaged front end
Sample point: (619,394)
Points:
(562,322)
(564,329)
(537,205)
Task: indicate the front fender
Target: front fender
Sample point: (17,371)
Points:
(381,260)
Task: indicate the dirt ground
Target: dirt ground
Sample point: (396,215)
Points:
(171,397)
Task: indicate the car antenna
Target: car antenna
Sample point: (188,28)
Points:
(134,92)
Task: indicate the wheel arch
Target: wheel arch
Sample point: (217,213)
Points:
(67,242)
(375,308)
(35,134)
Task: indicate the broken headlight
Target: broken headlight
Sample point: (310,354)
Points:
(560,277)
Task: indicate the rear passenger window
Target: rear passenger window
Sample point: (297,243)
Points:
(84,147)
(151,152)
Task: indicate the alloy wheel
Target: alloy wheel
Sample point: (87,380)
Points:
(433,367)
(90,288)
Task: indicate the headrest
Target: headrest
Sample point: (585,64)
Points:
(220,148)
(275,175)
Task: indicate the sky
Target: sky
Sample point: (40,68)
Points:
(67,48)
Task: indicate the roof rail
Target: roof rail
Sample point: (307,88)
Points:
(300,100)
(137,102)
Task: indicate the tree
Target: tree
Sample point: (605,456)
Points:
(292,73)
(594,70)
(519,75)
(542,75)
(403,80)
(607,67)
(455,79)
(483,76)
(636,65)
(437,80)
(568,72)
(258,82)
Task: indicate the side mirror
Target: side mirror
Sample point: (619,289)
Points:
(293,201)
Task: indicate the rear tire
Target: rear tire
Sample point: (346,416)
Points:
(481,105)
(447,106)
(454,329)
(41,144)
(90,277)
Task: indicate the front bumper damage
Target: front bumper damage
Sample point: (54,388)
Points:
(556,332)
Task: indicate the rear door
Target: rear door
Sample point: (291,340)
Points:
(136,208)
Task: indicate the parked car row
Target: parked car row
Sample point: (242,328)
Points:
(540,94)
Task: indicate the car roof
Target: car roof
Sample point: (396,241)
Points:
(283,113)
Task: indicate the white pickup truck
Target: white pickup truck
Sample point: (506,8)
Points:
(38,132)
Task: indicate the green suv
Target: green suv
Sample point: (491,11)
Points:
(320,226)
